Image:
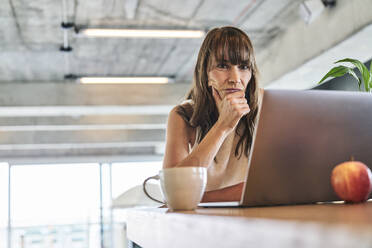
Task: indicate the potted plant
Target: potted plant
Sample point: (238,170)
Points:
(366,76)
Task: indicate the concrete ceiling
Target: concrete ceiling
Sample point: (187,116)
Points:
(31,35)
(46,117)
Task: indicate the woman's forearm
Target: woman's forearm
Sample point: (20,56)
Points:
(204,153)
(231,193)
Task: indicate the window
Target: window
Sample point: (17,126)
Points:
(58,205)
(54,204)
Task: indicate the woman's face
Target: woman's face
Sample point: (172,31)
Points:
(227,78)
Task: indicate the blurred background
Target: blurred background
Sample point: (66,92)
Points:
(86,86)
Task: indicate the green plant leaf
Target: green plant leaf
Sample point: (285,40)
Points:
(362,68)
(339,71)
(352,73)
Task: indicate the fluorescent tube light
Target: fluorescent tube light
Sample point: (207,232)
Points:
(138,33)
(124,80)
(84,110)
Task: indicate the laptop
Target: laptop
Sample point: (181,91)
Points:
(300,136)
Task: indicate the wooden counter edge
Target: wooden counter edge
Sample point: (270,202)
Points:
(159,228)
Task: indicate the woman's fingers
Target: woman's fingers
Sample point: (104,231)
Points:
(238,94)
(241,108)
(231,108)
(246,110)
(238,101)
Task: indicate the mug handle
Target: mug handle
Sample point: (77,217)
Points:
(145,191)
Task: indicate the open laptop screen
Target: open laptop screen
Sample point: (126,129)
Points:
(300,137)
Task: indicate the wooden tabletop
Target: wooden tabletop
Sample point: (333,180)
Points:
(314,225)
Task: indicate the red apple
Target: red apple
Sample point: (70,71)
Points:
(352,181)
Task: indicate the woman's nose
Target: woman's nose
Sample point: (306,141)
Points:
(234,75)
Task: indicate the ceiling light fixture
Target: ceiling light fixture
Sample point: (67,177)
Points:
(140,33)
(124,80)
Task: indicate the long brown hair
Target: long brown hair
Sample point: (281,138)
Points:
(203,111)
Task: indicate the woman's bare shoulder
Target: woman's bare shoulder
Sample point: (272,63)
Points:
(179,118)
(179,135)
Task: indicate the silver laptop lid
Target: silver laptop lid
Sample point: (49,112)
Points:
(300,137)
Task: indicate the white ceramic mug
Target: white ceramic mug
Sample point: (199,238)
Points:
(182,188)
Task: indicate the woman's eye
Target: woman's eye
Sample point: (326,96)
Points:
(244,67)
(222,66)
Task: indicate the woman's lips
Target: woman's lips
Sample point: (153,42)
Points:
(231,90)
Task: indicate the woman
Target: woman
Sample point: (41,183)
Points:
(214,127)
